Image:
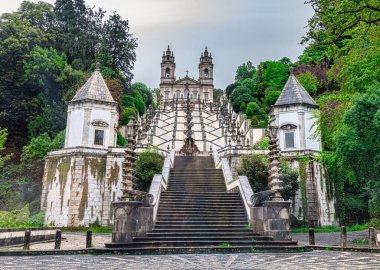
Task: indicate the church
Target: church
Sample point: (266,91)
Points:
(82,180)
(181,88)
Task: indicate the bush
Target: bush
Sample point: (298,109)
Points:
(256,168)
(21,218)
(262,144)
(309,81)
(120,140)
(127,112)
(147,165)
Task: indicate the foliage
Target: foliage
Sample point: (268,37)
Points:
(256,168)
(230,88)
(262,144)
(358,145)
(257,115)
(148,164)
(41,145)
(21,218)
(3,138)
(127,112)
(217,94)
(289,178)
(309,82)
(239,95)
(245,71)
(120,140)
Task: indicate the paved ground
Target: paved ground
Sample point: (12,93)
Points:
(310,260)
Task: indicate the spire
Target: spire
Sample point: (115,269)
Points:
(94,89)
(293,93)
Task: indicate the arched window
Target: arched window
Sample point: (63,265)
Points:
(186,93)
(206,73)
(167,72)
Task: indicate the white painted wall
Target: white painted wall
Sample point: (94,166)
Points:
(75,128)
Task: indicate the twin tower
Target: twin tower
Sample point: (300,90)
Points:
(171,87)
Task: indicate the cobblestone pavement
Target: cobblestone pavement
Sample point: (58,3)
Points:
(310,260)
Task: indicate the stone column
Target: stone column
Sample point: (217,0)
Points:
(302,134)
(86,127)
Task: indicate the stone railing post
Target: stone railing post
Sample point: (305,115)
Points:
(343,236)
(58,239)
(27,240)
(372,237)
(311,236)
(88,239)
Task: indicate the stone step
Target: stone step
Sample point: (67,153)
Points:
(200,226)
(200,194)
(224,238)
(201,199)
(181,243)
(208,233)
(213,214)
(200,203)
(204,222)
(201,206)
(122,248)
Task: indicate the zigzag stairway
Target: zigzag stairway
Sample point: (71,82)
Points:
(196,214)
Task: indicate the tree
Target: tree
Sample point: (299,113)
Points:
(245,71)
(148,164)
(358,145)
(239,95)
(309,81)
(144,91)
(3,138)
(273,74)
(230,88)
(217,94)
(121,43)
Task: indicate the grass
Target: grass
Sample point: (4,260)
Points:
(224,244)
(360,241)
(248,226)
(330,228)
(95,229)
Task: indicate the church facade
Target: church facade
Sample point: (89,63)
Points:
(181,88)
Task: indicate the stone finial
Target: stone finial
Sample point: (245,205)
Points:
(97,68)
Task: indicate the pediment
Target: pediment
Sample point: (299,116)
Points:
(187,80)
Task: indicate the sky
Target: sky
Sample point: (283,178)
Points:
(235,31)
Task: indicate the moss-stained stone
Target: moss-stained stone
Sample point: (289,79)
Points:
(63,169)
(114,176)
(302,173)
(51,165)
(98,169)
(84,200)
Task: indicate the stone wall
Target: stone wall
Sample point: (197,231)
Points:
(79,186)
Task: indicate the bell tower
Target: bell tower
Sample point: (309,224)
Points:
(206,68)
(167,67)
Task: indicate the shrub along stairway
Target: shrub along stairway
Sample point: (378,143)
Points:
(196,214)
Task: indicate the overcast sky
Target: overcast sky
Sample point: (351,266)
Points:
(235,31)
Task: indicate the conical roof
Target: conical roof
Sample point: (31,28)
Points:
(94,89)
(294,93)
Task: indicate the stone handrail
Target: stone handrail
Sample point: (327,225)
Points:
(161,181)
(241,183)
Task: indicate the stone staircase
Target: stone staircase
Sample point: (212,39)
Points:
(196,213)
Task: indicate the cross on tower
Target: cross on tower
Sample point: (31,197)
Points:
(187,73)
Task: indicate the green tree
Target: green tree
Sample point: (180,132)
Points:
(309,81)
(148,164)
(358,145)
(239,95)
(245,71)
(3,138)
